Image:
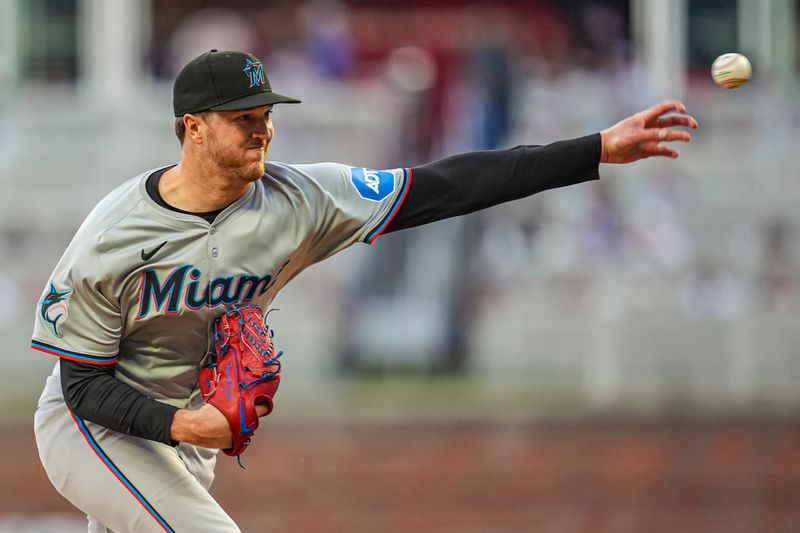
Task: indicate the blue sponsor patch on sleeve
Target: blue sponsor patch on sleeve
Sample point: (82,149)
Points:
(371,184)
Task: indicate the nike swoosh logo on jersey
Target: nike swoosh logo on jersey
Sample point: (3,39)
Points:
(146,256)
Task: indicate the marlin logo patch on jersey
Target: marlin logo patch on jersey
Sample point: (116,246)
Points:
(53,308)
(371,184)
(255,72)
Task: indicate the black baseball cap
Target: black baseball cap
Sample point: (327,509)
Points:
(223,81)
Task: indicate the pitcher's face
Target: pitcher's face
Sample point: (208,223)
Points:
(238,141)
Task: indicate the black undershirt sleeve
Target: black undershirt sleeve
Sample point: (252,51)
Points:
(469,182)
(93,393)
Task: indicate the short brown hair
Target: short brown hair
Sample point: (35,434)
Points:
(180,129)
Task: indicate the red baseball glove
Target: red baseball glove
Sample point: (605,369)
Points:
(243,371)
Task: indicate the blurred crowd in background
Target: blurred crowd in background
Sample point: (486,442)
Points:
(711,238)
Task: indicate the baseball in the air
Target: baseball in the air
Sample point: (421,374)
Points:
(731,70)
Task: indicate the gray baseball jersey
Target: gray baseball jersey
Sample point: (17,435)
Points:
(140,286)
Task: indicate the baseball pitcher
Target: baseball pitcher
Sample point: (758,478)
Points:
(155,309)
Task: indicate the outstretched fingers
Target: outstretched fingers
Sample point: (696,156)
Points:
(653,113)
(668,135)
(641,135)
(677,120)
(664,151)
(653,146)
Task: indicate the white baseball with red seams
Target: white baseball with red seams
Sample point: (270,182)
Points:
(731,70)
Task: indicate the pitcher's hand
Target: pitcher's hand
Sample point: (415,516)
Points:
(640,136)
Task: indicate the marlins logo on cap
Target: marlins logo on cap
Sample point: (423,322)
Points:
(255,72)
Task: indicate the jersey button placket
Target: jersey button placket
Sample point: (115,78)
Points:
(212,242)
(213,254)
